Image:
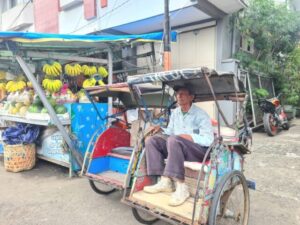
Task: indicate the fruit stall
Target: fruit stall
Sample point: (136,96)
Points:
(42,82)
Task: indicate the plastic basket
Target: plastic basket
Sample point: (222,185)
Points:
(19,157)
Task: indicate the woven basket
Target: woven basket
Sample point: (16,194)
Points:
(19,157)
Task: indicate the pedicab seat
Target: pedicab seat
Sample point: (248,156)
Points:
(227,133)
(121,152)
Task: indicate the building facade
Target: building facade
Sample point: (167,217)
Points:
(204,37)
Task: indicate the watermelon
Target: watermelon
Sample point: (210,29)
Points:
(44,110)
(51,101)
(37,101)
(35,108)
(60,109)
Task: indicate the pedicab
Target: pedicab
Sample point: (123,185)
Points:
(219,190)
(109,151)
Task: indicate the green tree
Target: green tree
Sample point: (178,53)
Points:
(274,31)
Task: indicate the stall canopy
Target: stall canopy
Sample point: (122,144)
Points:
(82,40)
(22,43)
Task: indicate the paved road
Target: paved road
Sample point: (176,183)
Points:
(46,196)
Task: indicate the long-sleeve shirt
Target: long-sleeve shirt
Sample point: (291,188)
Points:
(195,123)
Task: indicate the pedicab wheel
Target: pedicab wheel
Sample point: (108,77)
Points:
(231,203)
(143,217)
(270,124)
(100,188)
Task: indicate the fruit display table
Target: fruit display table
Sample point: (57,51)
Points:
(81,121)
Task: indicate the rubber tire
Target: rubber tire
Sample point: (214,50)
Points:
(99,191)
(219,190)
(139,218)
(286,126)
(267,125)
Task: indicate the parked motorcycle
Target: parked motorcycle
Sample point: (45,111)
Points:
(274,115)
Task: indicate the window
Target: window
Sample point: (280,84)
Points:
(12,3)
(247,44)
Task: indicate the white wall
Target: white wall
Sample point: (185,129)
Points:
(115,14)
(73,21)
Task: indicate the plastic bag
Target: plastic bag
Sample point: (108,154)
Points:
(21,134)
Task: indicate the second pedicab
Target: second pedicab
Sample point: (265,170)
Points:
(110,149)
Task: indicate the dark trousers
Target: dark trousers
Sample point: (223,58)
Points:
(177,150)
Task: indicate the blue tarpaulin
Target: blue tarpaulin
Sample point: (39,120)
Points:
(26,37)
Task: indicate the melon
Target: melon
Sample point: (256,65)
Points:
(60,109)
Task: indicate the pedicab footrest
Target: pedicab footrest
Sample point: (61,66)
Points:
(109,177)
(159,203)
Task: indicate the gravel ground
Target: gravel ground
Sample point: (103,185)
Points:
(46,196)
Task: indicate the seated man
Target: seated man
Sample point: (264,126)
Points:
(189,134)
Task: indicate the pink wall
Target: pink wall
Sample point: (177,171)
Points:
(46,16)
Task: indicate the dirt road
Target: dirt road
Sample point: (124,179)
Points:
(46,196)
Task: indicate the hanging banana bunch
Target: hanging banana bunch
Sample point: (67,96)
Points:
(102,71)
(73,71)
(55,69)
(29,84)
(91,82)
(89,70)
(52,86)
(13,86)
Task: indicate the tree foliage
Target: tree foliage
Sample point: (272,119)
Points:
(274,30)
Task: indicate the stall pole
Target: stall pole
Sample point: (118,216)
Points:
(51,111)
(110,78)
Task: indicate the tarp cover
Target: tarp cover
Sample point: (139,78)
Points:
(25,37)
(171,75)
(21,134)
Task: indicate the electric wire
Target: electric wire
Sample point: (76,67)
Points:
(20,13)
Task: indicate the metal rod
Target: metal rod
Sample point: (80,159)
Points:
(196,197)
(167,39)
(110,78)
(215,99)
(53,116)
(251,99)
(48,55)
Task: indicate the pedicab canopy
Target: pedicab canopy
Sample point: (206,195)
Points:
(152,95)
(226,86)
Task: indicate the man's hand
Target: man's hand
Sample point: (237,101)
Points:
(187,137)
(154,129)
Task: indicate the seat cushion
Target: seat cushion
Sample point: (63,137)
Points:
(122,150)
